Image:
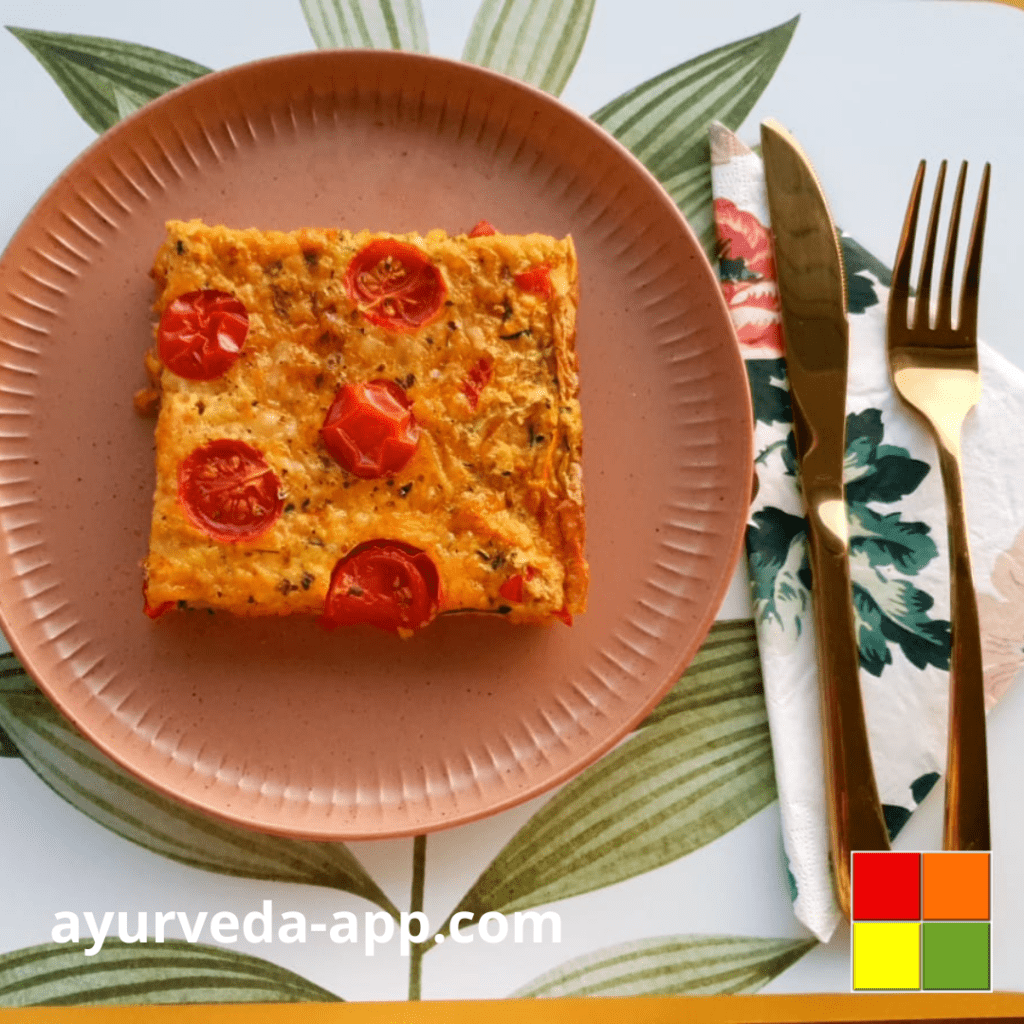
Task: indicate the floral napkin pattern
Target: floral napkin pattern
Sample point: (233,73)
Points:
(898,561)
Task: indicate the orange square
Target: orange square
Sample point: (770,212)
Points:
(956,886)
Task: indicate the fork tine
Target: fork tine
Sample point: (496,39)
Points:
(944,319)
(900,290)
(922,305)
(972,264)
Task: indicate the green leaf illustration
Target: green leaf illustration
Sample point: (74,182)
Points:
(664,121)
(13,678)
(700,767)
(536,41)
(771,402)
(57,974)
(105,79)
(371,24)
(94,784)
(7,747)
(727,657)
(674,965)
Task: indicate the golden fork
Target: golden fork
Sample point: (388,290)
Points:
(934,368)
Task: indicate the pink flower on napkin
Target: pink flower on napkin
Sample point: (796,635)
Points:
(1002,623)
(747,265)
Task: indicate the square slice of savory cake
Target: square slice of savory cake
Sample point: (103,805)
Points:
(366,427)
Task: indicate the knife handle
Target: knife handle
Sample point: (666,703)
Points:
(855,814)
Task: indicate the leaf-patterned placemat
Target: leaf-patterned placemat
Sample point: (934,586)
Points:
(699,766)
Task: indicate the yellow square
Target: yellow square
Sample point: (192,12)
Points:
(886,955)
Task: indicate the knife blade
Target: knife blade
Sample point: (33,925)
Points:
(812,293)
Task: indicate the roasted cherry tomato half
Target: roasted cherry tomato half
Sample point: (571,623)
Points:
(483,228)
(201,334)
(383,583)
(228,491)
(512,588)
(476,380)
(370,429)
(536,279)
(395,285)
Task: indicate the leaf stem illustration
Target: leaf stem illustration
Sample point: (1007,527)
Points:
(419,870)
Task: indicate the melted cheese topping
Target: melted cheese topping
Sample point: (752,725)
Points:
(489,491)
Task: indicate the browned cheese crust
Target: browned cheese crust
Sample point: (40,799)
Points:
(490,490)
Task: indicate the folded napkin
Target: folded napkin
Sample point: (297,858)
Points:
(898,563)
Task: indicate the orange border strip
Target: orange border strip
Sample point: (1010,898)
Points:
(642,1010)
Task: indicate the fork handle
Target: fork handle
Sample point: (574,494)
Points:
(966,819)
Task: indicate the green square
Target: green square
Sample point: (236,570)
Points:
(957,956)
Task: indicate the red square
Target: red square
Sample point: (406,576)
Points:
(887,886)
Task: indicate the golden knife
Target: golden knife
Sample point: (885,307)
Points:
(812,291)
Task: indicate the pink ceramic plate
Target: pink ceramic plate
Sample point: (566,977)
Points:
(276,724)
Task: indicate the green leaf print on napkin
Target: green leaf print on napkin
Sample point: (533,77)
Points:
(896,612)
(897,815)
(700,767)
(95,785)
(778,568)
(373,24)
(922,785)
(105,79)
(895,818)
(61,974)
(771,402)
(884,549)
(860,290)
(702,965)
(874,471)
(536,41)
(889,610)
(664,121)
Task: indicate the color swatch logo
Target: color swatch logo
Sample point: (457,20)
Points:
(921,921)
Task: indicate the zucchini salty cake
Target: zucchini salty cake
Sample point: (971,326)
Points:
(367,427)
